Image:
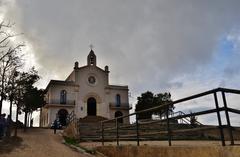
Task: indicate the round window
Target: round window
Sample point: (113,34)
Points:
(92,80)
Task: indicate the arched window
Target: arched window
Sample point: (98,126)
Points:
(118,100)
(63,97)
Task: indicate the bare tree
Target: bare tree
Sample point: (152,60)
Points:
(6,46)
(7,65)
(10,58)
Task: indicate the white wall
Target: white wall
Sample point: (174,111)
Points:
(101,91)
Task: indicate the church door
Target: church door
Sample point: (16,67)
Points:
(91,107)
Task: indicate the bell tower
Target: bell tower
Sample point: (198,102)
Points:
(91,58)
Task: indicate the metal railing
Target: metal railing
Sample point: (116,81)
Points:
(185,120)
(71,117)
(168,120)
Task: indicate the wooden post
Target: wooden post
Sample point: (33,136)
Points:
(102,125)
(117,136)
(137,129)
(228,119)
(219,119)
(168,128)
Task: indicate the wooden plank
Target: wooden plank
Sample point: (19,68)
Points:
(233,110)
(219,119)
(172,132)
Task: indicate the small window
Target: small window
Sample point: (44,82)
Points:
(118,100)
(63,97)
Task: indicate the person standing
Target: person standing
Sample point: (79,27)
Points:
(55,124)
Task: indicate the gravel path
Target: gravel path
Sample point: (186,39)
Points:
(41,143)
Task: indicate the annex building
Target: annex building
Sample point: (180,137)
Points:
(86,92)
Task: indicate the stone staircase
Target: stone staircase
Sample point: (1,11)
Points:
(90,130)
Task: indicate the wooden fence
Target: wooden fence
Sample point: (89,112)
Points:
(169,132)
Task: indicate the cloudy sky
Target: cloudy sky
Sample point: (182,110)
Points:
(183,47)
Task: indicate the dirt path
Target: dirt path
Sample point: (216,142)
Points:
(41,143)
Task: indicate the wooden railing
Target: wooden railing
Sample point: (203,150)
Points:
(169,132)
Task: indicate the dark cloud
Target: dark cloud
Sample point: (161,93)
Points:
(147,44)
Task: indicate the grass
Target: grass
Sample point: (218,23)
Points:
(71,141)
(75,142)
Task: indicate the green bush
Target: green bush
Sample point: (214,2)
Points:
(72,141)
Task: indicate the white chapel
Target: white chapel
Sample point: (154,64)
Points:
(87,93)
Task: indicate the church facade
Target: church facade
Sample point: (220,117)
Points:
(86,92)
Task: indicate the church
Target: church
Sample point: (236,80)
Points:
(87,93)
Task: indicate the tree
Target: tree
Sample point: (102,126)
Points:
(148,100)
(27,97)
(10,58)
(145,101)
(18,98)
(8,65)
(12,89)
(161,99)
(31,97)
(16,86)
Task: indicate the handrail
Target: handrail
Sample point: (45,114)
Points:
(178,101)
(71,117)
(234,110)
(185,119)
(217,110)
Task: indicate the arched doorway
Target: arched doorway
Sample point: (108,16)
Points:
(119,114)
(62,116)
(91,107)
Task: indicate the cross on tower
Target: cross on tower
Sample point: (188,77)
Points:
(91,46)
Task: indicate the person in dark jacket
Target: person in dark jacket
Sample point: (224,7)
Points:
(55,125)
